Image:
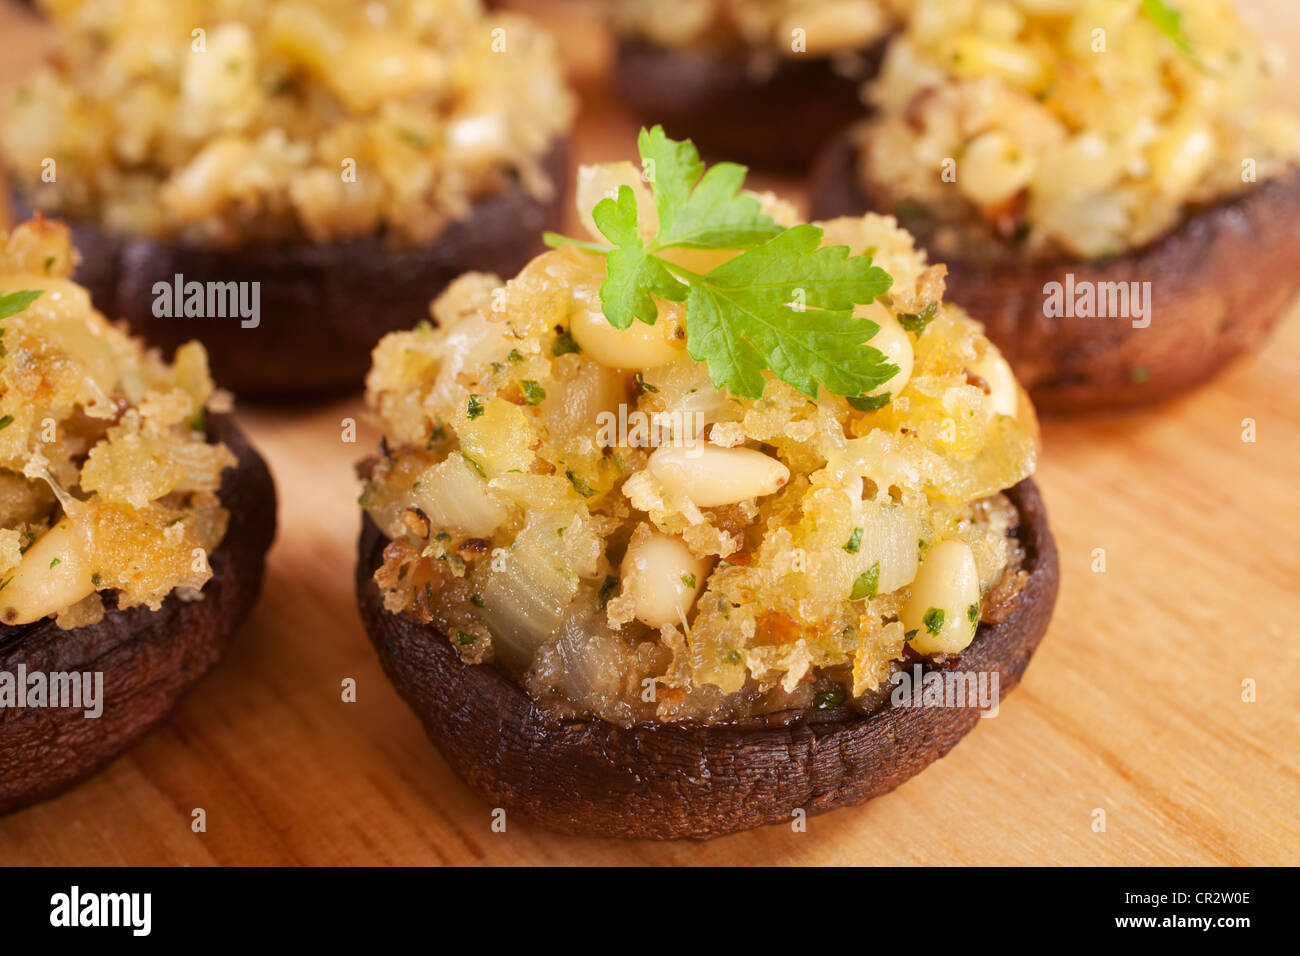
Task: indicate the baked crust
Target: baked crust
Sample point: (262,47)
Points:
(149,659)
(1219,282)
(671,781)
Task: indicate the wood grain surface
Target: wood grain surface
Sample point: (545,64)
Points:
(1133,704)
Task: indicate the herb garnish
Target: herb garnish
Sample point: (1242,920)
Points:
(579,484)
(870,403)
(475,407)
(1168,20)
(783,304)
(933,620)
(867,584)
(854,542)
(564,344)
(11,303)
(917,321)
(533,393)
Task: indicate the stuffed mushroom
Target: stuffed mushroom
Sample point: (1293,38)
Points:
(134,520)
(336,163)
(1112,196)
(653,581)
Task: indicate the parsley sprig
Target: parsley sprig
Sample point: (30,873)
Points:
(784,304)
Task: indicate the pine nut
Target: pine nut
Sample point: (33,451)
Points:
(972,56)
(892,341)
(711,476)
(1004,393)
(1180,158)
(662,577)
(639,346)
(994,168)
(200,188)
(52,575)
(945,596)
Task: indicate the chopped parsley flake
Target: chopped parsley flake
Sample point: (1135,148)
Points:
(933,620)
(867,584)
(564,344)
(533,393)
(916,322)
(579,485)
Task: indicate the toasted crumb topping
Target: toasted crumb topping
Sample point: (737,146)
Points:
(107,478)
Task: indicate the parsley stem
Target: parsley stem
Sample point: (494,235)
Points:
(555,241)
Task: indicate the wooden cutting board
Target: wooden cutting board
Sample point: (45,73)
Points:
(1132,706)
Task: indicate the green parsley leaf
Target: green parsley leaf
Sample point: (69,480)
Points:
(475,407)
(464,638)
(973,615)
(11,303)
(695,212)
(783,304)
(6,421)
(688,580)
(739,321)
(633,273)
(854,542)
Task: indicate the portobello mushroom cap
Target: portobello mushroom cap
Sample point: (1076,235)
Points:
(149,659)
(323,306)
(776,118)
(676,780)
(1219,281)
